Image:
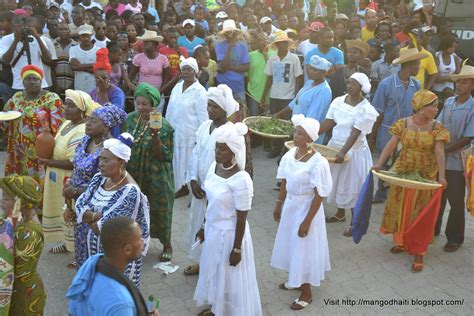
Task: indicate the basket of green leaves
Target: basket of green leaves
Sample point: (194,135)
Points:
(411,180)
(325,151)
(269,127)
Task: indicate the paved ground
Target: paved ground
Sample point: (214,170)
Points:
(366,271)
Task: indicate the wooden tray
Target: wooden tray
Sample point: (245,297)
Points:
(389,177)
(327,152)
(252,119)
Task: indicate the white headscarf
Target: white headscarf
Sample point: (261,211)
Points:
(310,125)
(190,62)
(121,146)
(222,95)
(363,80)
(233,136)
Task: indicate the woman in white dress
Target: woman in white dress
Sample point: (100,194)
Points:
(187,110)
(227,278)
(220,106)
(301,245)
(351,117)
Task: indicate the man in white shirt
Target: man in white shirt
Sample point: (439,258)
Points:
(39,24)
(311,43)
(99,39)
(12,51)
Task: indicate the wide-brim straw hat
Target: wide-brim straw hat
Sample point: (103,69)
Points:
(281,36)
(151,36)
(360,45)
(229,26)
(410,54)
(467,72)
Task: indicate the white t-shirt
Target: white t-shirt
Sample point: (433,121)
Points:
(83,81)
(52,50)
(305,46)
(98,43)
(35,53)
(284,74)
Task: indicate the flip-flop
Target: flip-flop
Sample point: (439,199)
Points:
(298,305)
(348,232)
(72,265)
(285,286)
(335,219)
(397,249)
(206,312)
(416,267)
(166,255)
(192,270)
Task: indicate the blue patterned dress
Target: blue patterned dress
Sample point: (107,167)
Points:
(127,201)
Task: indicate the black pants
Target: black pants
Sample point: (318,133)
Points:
(454,193)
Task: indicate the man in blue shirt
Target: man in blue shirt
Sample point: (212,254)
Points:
(99,287)
(458,117)
(189,40)
(392,100)
(147,9)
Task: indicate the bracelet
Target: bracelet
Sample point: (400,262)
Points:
(279,201)
(93,217)
(237,250)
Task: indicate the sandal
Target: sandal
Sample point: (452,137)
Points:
(348,232)
(417,267)
(285,286)
(298,305)
(397,249)
(206,312)
(58,249)
(335,219)
(451,247)
(182,192)
(72,265)
(192,270)
(167,254)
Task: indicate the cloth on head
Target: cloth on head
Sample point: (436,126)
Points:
(310,125)
(110,115)
(148,91)
(233,136)
(120,147)
(82,100)
(191,62)
(222,95)
(32,70)
(363,80)
(21,12)
(319,63)
(102,60)
(422,98)
(24,187)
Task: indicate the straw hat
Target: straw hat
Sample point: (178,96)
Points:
(360,45)
(281,36)
(409,54)
(151,36)
(467,72)
(229,26)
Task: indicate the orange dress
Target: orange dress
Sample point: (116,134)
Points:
(417,155)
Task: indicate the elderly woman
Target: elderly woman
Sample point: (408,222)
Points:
(220,106)
(351,117)
(301,245)
(150,164)
(59,168)
(38,107)
(86,165)
(423,140)
(113,193)
(186,112)
(21,194)
(227,278)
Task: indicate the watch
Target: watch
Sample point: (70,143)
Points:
(237,250)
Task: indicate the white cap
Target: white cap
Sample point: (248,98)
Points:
(189,21)
(265,19)
(85,29)
(221,15)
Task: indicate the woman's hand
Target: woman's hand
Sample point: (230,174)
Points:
(377,167)
(43,161)
(443,182)
(197,191)
(200,235)
(235,258)
(69,216)
(277,212)
(304,229)
(340,157)
(102,84)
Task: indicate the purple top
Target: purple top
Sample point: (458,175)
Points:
(117,98)
(238,56)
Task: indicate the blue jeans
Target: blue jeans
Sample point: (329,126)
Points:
(6,92)
(253,105)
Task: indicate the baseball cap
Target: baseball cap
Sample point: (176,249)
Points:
(221,15)
(188,21)
(85,29)
(53,4)
(265,19)
(316,26)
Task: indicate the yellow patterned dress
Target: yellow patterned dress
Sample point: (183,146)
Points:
(29,296)
(417,155)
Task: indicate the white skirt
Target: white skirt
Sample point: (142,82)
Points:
(231,291)
(348,177)
(181,160)
(305,259)
(197,211)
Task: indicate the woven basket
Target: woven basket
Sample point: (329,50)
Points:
(391,178)
(325,151)
(253,119)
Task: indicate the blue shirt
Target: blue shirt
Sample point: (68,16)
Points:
(204,24)
(313,102)
(335,56)
(393,101)
(190,45)
(153,12)
(238,56)
(458,119)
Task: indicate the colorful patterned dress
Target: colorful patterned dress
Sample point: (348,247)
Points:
(154,177)
(6,263)
(22,133)
(127,201)
(417,155)
(29,296)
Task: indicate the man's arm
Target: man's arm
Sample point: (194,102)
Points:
(8,55)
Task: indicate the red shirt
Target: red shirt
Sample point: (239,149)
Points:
(173,59)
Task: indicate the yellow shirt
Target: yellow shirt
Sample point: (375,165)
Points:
(366,34)
(427,67)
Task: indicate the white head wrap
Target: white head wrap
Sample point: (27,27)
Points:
(310,125)
(121,146)
(191,62)
(363,80)
(233,136)
(222,95)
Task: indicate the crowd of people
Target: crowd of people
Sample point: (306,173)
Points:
(146,103)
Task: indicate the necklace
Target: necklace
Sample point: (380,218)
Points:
(301,158)
(97,145)
(117,184)
(138,135)
(228,168)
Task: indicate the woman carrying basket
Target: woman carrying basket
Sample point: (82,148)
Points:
(423,140)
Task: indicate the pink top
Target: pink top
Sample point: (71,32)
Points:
(150,70)
(120,8)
